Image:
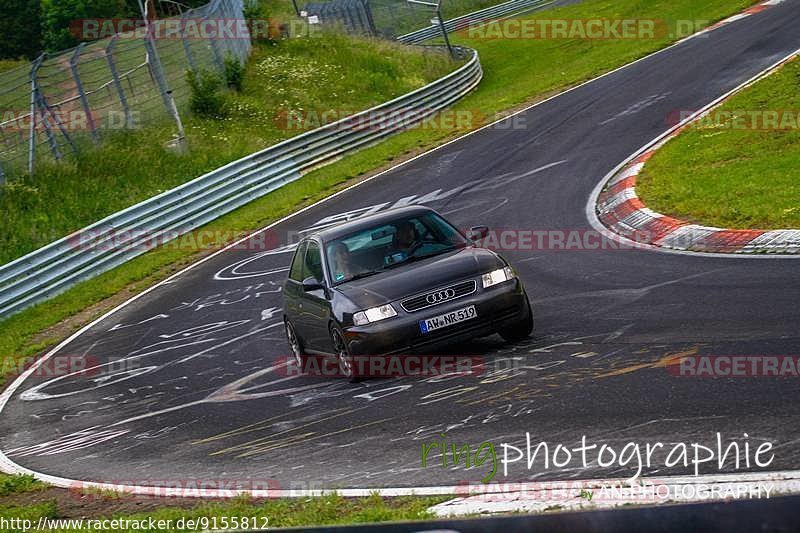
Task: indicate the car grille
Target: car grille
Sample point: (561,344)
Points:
(439,296)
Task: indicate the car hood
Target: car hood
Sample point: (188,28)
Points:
(420,276)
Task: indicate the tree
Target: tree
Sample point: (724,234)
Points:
(61,17)
(20,33)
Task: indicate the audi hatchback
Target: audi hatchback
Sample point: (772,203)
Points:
(399,282)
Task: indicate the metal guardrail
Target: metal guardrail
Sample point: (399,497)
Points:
(504,10)
(119,237)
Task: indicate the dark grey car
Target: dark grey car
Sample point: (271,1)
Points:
(399,282)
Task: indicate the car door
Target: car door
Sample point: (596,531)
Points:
(315,304)
(293,289)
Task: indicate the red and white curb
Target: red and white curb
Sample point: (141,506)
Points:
(758,8)
(620,210)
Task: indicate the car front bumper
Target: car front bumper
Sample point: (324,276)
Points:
(497,307)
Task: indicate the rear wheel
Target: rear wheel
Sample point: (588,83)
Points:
(296,345)
(519,330)
(347,363)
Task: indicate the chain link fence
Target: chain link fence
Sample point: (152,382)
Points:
(130,73)
(389,18)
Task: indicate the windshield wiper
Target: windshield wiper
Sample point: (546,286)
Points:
(362,275)
(412,258)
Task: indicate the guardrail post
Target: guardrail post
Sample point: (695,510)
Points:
(73,65)
(117,83)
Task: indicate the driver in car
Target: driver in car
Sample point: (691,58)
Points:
(342,264)
(405,242)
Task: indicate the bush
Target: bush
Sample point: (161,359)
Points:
(234,74)
(206,99)
(263,29)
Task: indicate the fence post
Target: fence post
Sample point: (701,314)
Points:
(73,65)
(32,133)
(187,48)
(42,103)
(117,83)
(46,123)
(246,46)
(234,10)
(158,75)
(218,59)
(444,29)
(440,20)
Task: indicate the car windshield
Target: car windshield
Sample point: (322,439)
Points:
(390,244)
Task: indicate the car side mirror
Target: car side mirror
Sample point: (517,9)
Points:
(477,233)
(312,284)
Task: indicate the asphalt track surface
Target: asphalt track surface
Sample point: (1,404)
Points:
(195,387)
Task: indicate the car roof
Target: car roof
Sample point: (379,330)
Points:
(366,222)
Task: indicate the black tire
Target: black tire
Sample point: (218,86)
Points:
(520,330)
(295,345)
(347,364)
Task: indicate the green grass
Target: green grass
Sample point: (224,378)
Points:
(723,173)
(516,71)
(28,512)
(331,72)
(295,512)
(398,17)
(324,510)
(18,483)
(8,64)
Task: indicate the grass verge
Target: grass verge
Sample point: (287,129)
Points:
(207,515)
(287,88)
(736,168)
(517,72)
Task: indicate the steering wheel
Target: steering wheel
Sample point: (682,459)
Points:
(414,248)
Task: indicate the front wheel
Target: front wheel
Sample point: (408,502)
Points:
(347,363)
(519,330)
(296,345)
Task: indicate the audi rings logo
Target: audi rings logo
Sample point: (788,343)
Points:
(440,296)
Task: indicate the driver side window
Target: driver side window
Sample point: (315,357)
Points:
(296,270)
(313,262)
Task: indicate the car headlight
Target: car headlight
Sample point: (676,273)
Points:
(497,276)
(374,315)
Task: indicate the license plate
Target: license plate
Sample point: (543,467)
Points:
(448,319)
